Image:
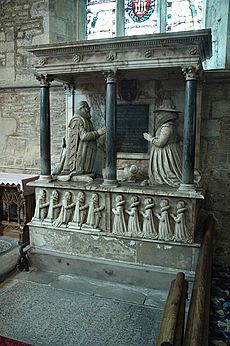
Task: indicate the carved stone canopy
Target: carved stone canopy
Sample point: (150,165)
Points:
(165,50)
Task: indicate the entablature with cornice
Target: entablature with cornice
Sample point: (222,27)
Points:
(167,50)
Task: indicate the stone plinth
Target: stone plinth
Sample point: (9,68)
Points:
(66,232)
(115,248)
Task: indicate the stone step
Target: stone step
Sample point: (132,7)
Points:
(141,275)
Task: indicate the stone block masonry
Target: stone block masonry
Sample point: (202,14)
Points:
(19,123)
(215,144)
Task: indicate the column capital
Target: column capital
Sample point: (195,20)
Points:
(110,76)
(191,72)
(68,88)
(45,80)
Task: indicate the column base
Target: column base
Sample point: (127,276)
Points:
(45,178)
(187,187)
(108,182)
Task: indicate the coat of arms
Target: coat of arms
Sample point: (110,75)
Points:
(140,10)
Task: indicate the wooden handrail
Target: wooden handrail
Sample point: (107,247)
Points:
(196,332)
(172,323)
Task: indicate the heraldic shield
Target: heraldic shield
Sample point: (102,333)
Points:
(140,10)
(129,89)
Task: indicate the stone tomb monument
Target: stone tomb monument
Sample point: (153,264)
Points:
(150,221)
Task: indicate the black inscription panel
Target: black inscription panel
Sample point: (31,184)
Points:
(132,121)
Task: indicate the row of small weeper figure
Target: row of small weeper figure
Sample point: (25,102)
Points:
(164,230)
(80,215)
(68,213)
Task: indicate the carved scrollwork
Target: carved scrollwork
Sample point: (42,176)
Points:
(191,72)
(45,80)
(110,76)
(68,88)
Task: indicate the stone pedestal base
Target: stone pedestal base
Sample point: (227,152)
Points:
(92,244)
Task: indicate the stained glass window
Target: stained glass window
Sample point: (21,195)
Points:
(101,19)
(140,17)
(184,15)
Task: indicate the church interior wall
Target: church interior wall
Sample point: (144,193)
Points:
(26,22)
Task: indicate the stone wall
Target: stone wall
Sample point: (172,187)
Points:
(216,161)
(23,23)
(19,123)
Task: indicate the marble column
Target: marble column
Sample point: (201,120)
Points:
(45,147)
(189,132)
(110,171)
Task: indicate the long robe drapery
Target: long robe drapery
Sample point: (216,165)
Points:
(148,227)
(165,165)
(119,224)
(81,146)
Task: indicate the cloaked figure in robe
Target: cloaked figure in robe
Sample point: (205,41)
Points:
(80,210)
(148,228)
(133,222)
(165,165)
(119,224)
(79,156)
(94,213)
(181,233)
(65,214)
(54,207)
(41,206)
(164,229)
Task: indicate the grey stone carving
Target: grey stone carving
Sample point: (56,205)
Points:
(119,224)
(133,222)
(65,214)
(148,227)
(94,213)
(130,173)
(79,212)
(165,165)
(41,206)
(164,229)
(54,207)
(79,156)
(181,232)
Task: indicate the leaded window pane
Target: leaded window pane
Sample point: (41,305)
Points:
(101,19)
(184,15)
